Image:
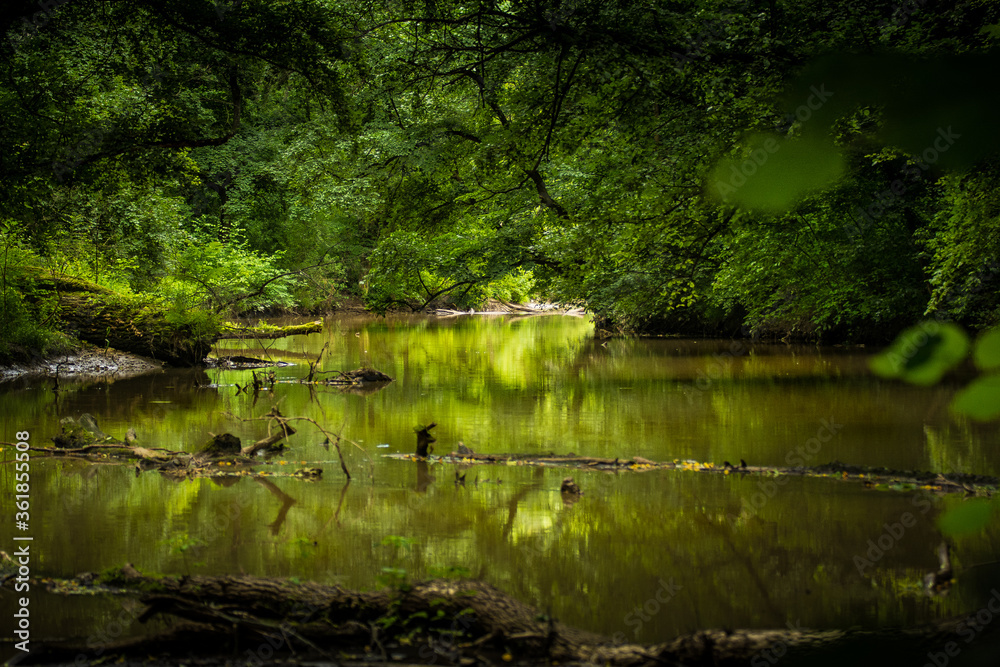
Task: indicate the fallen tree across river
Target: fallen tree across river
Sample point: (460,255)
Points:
(872,477)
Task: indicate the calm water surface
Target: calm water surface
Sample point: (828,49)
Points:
(717,551)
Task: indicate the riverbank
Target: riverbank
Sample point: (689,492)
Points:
(86,361)
(79,359)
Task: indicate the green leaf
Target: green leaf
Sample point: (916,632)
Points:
(986,353)
(980,400)
(923,353)
(967,517)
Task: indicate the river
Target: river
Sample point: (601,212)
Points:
(641,556)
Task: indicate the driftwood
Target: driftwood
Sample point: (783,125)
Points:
(313,365)
(221,450)
(455,622)
(240,362)
(83,439)
(225,444)
(331,438)
(358,376)
(268,443)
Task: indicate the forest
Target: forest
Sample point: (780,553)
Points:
(768,236)
(810,170)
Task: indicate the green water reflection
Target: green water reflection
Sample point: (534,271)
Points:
(719,551)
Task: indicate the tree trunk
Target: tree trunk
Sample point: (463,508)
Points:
(98,315)
(233,331)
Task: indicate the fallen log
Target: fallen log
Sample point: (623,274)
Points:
(264,330)
(268,443)
(103,317)
(879,478)
(463,622)
(222,455)
(358,376)
(243,363)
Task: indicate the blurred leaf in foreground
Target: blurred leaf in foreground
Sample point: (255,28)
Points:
(980,400)
(987,350)
(923,353)
(967,517)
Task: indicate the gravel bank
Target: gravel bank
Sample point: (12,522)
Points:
(84,363)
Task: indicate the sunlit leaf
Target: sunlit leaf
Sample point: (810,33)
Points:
(986,353)
(980,400)
(923,353)
(967,517)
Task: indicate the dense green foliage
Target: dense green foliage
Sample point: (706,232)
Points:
(715,166)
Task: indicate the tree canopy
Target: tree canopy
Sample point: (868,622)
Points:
(824,170)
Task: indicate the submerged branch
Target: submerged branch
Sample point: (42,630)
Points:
(331,438)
